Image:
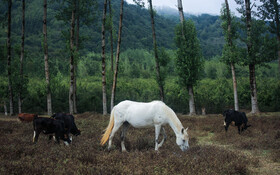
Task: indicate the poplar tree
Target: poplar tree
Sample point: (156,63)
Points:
(261,47)
(9,66)
(230,53)
(270,10)
(189,60)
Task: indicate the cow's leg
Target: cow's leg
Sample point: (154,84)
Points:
(36,135)
(57,137)
(124,129)
(157,132)
(238,129)
(116,127)
(67,139)
(226,126)
(164,137)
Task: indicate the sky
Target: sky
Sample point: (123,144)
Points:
(196,7)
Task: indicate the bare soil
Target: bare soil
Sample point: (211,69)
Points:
(212,151)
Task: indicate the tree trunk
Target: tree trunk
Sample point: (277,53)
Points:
(48,89)
(191,100)
(104,94)
(159,78)
(21,58)
(277,31)
(181,12)
(117,57)
(5,108)
(72,50)
(253,86)
(111,36)
(76,60)
(236,106)
(9,59)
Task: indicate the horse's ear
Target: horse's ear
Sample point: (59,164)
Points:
(187,128)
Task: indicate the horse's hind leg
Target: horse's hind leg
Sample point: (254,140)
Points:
(124,129)
(164,137)
(114,130)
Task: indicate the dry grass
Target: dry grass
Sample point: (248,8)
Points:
(212,151)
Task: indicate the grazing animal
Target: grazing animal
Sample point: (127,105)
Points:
(239,119)
(141,115)
(69,123)
(49,126)
(25,117)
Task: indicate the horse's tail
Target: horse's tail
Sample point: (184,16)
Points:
(108,130)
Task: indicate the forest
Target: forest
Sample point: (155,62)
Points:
(91,61)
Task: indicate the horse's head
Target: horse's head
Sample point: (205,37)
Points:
(182,139)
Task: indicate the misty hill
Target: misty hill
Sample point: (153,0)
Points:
(137,32)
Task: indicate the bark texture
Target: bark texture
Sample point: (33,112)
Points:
(9,59)
(21,58)
(159,78)
(117,57)
(72,50)
(104,94)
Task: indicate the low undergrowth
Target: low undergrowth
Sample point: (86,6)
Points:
(212,151)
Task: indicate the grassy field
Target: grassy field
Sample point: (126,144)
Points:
(212,151)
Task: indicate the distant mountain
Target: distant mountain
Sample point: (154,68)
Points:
(137,32)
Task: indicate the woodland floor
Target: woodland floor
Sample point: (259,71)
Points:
(212,151)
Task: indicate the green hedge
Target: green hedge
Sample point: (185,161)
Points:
(215,95)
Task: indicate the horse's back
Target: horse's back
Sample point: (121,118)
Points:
(140,114)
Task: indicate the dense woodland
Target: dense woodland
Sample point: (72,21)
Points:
(137,78)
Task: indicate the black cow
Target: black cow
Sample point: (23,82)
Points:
(239,119)
(49,126)
(69,123)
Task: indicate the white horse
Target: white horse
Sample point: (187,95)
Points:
(141,115)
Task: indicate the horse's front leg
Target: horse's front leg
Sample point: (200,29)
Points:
(164,137)
(157,132)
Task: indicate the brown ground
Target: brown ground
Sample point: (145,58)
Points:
(212,151)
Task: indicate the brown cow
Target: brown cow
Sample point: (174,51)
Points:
(25,117)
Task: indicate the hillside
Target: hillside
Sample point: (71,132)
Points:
(136,30)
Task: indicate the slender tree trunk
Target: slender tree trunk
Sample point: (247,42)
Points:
(104,94)
(253,86)
(236,106)
(76,59)
(181,12)
(117,57)
(159,78)
(72,50)
(9,59)
(191,100)
(21,58)
(48,89)
(277,31)
(5,108)
(111,36)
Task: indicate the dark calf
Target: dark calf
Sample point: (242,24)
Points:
(69,123)
(49,126)
(239,118)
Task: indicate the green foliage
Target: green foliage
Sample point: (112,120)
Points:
(189,62)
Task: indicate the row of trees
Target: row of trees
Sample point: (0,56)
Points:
(261,47)
(72,9)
